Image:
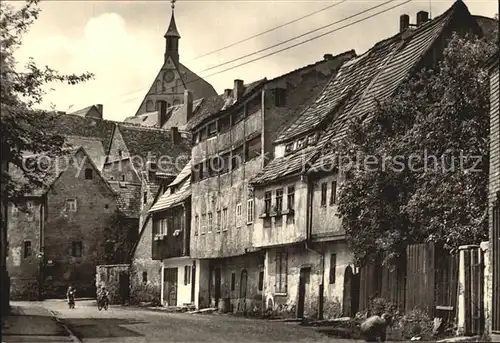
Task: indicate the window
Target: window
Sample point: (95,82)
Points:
(237,157)
(144,277)
(253,148)
(203,133)
(196,225)
(238,115)
(224,159)
(238,215)
(289,148)
(76,249)
(280,97)
(205,172)
(279,200)
(145,197)
(224,219)
(250,211)
(149,106)
(123,177)
(291,198)
(213,166)
(333,267)
(212,129)
(120,153)
(187,275)
(219,223)
(333,194)
(163,227)
(27,249)
(267,202)
(323,194)
(301,143)
(312,139)
(203,223)
(224,124)
(89,174)
(71,205)
(233,281)
(209,222)
(281,272)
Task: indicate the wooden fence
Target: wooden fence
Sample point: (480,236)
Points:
(425,278)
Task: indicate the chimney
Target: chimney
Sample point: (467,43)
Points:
(162,113)
(422,17)
(99,108)
(404,22)
(238,89)
(328,57)
(188,105)
(227,93)
(176,137)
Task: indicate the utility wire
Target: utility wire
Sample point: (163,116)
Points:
(269,30)
(296,37)
(197,78)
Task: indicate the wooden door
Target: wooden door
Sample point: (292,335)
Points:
(351,293)
(170,286)
(243,290)
(303,282)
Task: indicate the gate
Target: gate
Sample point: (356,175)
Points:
(350,299)
(473,300)
(420,278)
(170,286)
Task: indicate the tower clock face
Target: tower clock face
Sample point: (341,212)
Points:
(169,76)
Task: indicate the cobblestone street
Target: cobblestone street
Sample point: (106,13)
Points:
(127,324)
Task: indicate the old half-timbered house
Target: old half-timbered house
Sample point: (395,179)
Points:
(309,268)
(232,139)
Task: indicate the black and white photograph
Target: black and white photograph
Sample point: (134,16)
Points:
(249,171)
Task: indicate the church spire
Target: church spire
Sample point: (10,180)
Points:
(172,37)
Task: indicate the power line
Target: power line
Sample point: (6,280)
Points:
(296,37)
(297,44)
(269,30)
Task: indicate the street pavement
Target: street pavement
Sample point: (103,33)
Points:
(128,324)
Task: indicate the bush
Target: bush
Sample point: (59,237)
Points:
(379,306)
(415,323)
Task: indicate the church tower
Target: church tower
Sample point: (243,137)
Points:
(172,37)
(171,82)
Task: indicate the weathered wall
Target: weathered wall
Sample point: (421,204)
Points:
(142,262)
(24,271)
(286,229)
(201,285)
(183,290)
(89,224)
(285,303)
(109,276)
(241,299)
(325,219)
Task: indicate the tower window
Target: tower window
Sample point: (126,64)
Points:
(89,174)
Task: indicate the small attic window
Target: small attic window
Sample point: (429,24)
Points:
(280,97)
(120,153)
(144,118)
(312,139)
(289,147)
(89,174)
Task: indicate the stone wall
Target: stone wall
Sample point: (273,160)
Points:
(110,276)
(145,273)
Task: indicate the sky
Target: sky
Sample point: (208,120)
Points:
(122,44)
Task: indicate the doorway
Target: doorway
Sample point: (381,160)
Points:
(217,288)
(170,286)
(305,274)
(124,286)
(350,303)
(243,290)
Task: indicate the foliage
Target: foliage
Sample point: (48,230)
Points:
(415,323)
(23,127)
(410,196)
(379,306)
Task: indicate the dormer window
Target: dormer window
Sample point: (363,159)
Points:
(289,147)
(301,143)
(212,129)
(89,174)
(312,139)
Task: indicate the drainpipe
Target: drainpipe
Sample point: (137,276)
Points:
(310,192)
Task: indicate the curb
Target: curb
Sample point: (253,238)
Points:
(65,327)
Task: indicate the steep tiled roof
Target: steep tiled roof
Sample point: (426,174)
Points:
(93,147)
(68,124)
(82,112)
(197,85)
(169,200)
(373,76)
(142,141)
(212,105)
(185,172)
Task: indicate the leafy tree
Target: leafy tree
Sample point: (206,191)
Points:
(430,142)
(23,127)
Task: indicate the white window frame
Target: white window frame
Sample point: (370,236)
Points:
(250,211)
(210,222)
(196,225)
(163,227)
(224,219)
(203,224)
(69,206)
(238,215)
